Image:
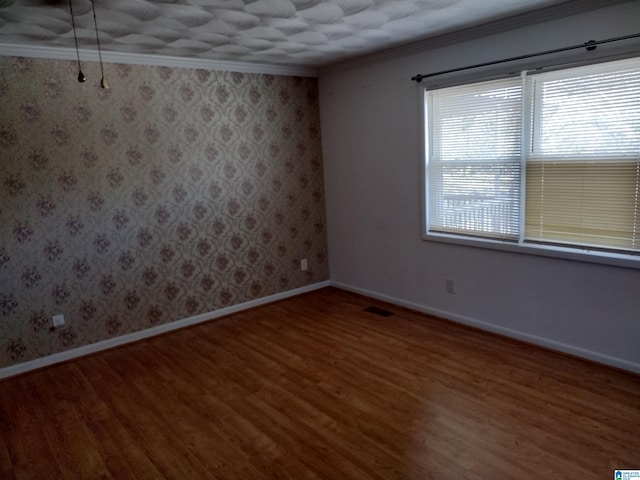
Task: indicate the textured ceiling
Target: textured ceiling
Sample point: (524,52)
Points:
(305,33)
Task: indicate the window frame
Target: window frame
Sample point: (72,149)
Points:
(569,253)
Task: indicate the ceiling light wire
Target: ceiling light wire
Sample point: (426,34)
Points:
(81,77)
(103,82)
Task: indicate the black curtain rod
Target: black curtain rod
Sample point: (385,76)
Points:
(590,45)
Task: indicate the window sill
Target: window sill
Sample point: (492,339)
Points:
(564,253)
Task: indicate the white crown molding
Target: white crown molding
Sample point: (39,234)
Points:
(565,9)
(59,53)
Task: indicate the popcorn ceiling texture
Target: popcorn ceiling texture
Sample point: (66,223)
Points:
(174,193)
(305,33)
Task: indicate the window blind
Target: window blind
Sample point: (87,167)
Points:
(474,159)
(583,165)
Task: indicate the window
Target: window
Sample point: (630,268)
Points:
(543,160)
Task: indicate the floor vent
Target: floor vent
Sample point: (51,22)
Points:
(378,311)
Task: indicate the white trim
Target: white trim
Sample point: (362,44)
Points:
(424,148)
(575,254)
(578,253)
(504,331)
(474,32)
(152,332)
(59,53)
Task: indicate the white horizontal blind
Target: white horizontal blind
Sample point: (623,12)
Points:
(583,167)
(474,160)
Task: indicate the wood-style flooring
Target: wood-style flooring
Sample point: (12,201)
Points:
(313,387)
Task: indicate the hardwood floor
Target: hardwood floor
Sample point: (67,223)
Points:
(313,387)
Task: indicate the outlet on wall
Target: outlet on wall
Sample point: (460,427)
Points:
(304,265)
(57,320)
(451,286)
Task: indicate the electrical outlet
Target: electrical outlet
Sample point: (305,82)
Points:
(451,286)
(304,265)
(57,320)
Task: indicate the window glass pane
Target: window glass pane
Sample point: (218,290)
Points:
(474,159)
(583,203)
(480,123)
(477,198)
(588,112)
(583,174)
(579,137)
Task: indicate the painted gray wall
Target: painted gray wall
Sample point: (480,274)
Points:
(372,147)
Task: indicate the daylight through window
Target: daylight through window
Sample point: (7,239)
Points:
(543,159)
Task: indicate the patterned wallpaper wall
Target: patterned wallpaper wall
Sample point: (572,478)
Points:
(174,193)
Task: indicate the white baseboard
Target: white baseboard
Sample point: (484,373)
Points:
(507,332)
(151,332)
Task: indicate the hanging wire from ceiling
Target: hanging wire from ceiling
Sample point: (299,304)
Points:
(103,82)
(81,77)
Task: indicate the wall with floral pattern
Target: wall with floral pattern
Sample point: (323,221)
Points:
(174,193)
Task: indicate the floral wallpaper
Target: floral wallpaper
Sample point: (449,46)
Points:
(174,193)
